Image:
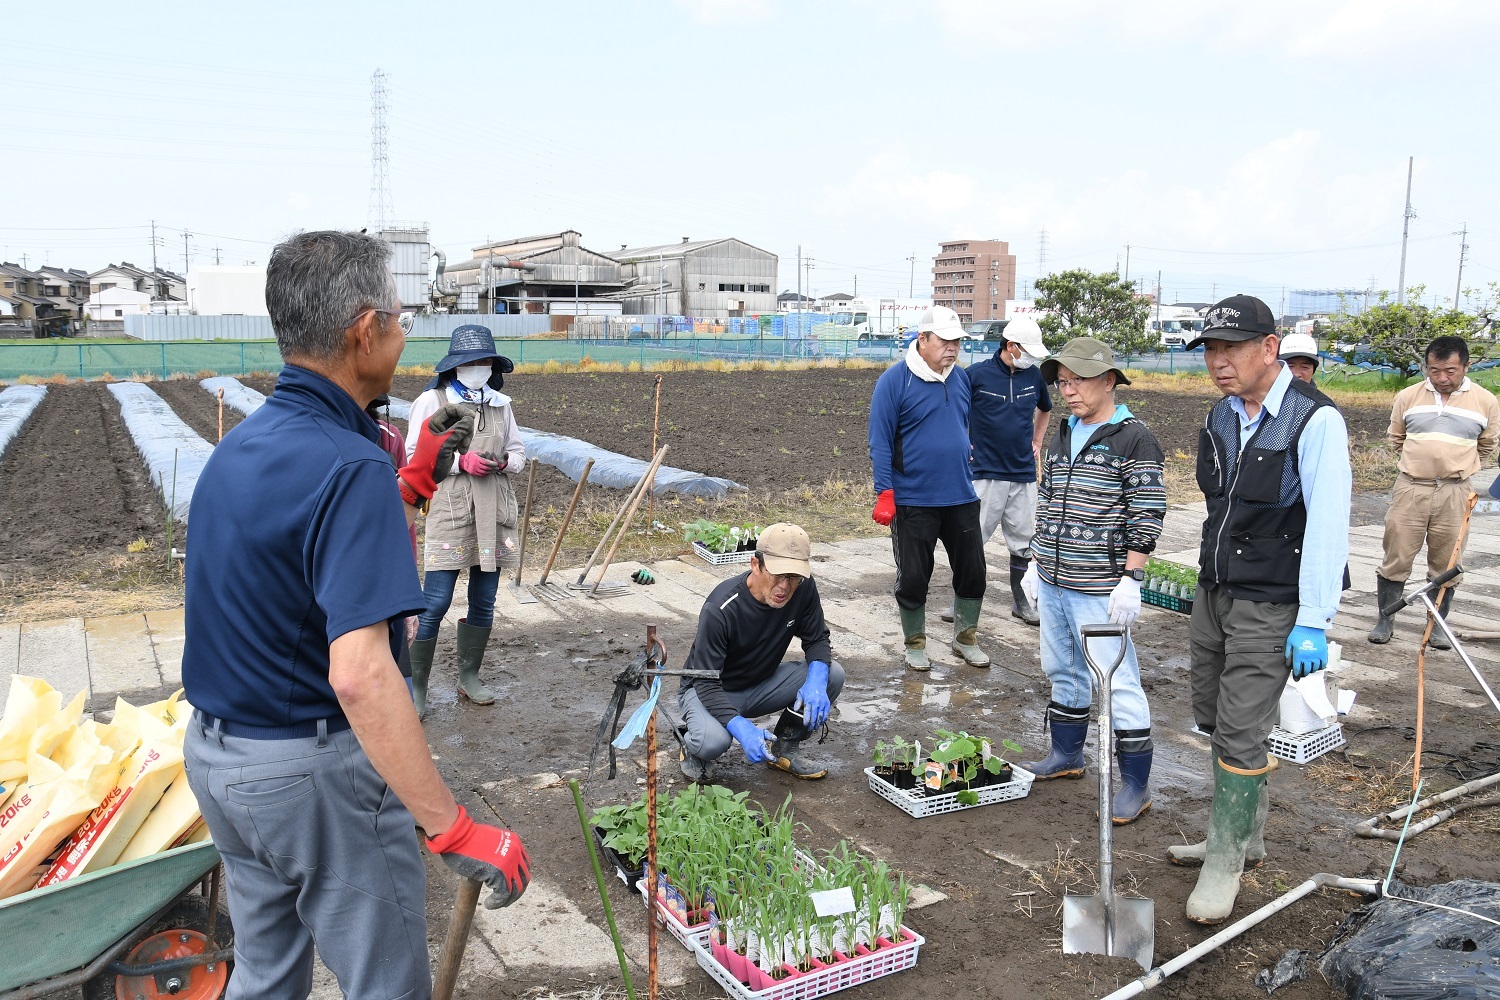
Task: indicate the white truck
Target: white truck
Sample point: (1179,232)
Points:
(886,319)
(1173,326)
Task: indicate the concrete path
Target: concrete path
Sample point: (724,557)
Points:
(139,657)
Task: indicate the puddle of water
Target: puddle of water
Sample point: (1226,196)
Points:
(866,709)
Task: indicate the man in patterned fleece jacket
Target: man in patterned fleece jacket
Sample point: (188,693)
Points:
(1099,513)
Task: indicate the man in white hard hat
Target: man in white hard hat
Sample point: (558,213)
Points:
(1007,428)
(919,452)
(1300,352)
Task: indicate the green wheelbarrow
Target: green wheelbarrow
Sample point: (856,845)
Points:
(146,929)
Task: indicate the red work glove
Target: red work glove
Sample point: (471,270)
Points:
(448,431)
(487,854)
(885,507)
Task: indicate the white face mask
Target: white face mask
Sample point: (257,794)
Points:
(474,376)
(1023,360)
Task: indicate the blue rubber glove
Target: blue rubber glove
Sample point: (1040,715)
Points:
(812,696)
(1306,651)
(751,737)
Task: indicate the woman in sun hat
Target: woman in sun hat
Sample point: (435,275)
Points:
(471,522)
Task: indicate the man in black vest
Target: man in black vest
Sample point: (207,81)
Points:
(1273,464)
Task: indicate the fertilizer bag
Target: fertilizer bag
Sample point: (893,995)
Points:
(29,702)
(63,801)
(155,764)
(1393,948)
(177,812)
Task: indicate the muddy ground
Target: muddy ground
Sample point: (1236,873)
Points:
(1003,869)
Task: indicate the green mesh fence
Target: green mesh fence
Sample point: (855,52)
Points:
(84,360)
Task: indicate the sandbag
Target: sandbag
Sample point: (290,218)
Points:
(1395,949)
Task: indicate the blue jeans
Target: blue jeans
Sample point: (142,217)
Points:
(1063,612)
(438,586)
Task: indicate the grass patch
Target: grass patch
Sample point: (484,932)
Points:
(108,584)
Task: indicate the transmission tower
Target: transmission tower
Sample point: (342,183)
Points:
(380,158)
(1041,254)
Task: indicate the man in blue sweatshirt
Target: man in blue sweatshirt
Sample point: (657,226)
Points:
(919,451)
(1008,427)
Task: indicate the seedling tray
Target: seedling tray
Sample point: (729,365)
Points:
(915,804)
(1182,605)
(627,874)
(721,558)
(1302,748)
(853,970)
(688,936)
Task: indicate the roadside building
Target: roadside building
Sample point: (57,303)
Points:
(229,290)
(24,289)
(705,279)
(158,284)
(66,288)
(974,278)
(558,274)
(114,304)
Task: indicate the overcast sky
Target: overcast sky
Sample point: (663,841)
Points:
(1261,146)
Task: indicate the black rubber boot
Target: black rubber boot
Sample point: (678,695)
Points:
(421,669)
(1020,607)
(1386,591)
(1439,640)
(785,753)
(1070,728)
(1133,749)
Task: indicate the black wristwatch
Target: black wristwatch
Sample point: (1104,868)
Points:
(1138,575)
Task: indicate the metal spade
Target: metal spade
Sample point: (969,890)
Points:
(1106,924)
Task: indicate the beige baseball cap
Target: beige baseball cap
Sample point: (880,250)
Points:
(785,548)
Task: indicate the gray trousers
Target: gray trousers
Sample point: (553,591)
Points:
(707,739)
(1238,657)
(1011,507)
(316,848)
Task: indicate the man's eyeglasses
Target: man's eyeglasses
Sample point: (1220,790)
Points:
(406,316)
(1072,383)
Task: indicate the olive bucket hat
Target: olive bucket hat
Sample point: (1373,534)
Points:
(1085,357)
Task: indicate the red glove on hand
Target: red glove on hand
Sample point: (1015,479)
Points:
(487,854)
(885,507)
(448,431)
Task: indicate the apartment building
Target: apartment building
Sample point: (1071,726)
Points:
(974,278)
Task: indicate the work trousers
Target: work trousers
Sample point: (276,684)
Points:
(707,739)
(1238,663)
(915,533)
(317,850)
(1010,507)
(438,586)
(1422,510)
(1064,612)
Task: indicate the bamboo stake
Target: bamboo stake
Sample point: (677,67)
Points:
(221,413)
(1458,548)
(635,493)
(655,434)
(567,519)
(609,911)
(629,516)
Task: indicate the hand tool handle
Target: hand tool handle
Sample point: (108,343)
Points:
(1390,610)
(457,939)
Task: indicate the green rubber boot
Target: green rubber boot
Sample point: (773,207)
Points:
(421,668)
(965,632)
(1236,798)
(914,627)
(1191,855)
(471,643)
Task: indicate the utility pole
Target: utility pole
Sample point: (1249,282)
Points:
(799,289)
(185,235)
(153,245)
(1406,218)
(1158,303)
(216,256)
(23,261)
(1127,262)
(856,286)
(911,288)
(1463,252)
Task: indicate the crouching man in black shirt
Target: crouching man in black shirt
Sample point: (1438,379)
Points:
(744,630)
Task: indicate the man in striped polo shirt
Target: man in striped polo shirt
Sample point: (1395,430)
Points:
(1099,513)
(1446,428)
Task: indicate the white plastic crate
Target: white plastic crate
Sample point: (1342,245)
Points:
(820,982)
(688,937)
(1303,747)
(721,558)
(914,803)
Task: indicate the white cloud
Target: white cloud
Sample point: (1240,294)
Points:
(887,186)
(726,11)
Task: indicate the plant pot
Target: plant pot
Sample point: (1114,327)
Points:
(756,978)
(887,774)
(902,776)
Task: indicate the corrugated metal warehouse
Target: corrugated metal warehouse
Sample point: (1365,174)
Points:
(709,279)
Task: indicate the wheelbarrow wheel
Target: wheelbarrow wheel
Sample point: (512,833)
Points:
(180,932)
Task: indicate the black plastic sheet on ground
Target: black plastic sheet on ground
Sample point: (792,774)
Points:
(1395,949)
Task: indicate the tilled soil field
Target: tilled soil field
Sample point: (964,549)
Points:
(74,488)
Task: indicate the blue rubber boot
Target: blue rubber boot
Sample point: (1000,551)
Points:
(1133,750)
(1070,728)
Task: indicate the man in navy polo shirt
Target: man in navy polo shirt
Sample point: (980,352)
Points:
(306,756)
(1007,427)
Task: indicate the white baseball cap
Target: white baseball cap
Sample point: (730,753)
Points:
(1024,331)
(942,321)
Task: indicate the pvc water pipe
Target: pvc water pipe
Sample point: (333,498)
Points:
(1371,827)
(1158,975)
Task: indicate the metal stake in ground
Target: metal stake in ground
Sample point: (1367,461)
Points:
(552,590)
(635,492)
(1104,924)
(625,526)
(520,593)
(221,413)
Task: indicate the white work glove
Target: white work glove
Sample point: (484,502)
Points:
(1125,602)
(1028,583)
